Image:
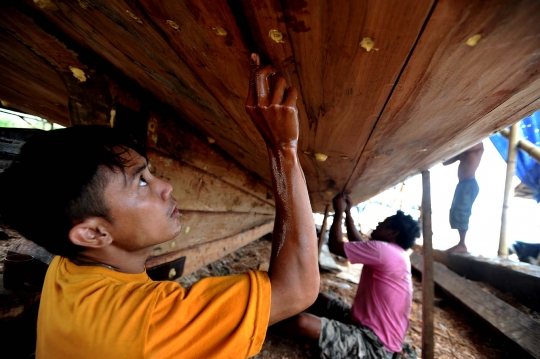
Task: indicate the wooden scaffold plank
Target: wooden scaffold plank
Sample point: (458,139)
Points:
(512,323)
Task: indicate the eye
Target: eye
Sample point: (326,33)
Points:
(142,182)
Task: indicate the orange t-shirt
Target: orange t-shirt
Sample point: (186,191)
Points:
(94,312)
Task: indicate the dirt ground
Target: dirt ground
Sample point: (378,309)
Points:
(457,333)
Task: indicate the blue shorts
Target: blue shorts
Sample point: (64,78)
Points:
(466,192)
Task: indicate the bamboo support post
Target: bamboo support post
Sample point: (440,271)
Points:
(526,146)
(510,170)
(323,229)
(428,286)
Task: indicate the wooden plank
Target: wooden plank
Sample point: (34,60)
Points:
(509,321)
(438,103)
(428,287)
(111,86)
(342,86)
(448,90)
(220,60)
(29,83)
(522,280)
(202,227)
(177,139)
(256,20)
(129,39)
(201,255)
(198,190)
(517,107)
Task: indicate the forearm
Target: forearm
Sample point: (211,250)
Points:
(352,233)
(294,267)
(451,160)
(335,240)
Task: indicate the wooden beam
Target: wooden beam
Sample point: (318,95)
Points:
(203,227)
(522,280)
(509,321)
(525,145)
(179,140)
(510,171)
(199,190)
(428,287)
(201,255)
(323,228)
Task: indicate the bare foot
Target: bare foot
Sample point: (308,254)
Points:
(460,248)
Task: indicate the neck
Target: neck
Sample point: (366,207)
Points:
(114,259)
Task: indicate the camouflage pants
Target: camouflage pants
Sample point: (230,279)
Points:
(341,339)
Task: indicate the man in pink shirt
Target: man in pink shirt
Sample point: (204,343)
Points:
(375,326)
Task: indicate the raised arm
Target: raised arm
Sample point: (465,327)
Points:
(479,147)
(335,240)
(451,160)
(352,233)
(294,269)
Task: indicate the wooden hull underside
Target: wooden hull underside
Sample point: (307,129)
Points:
(440,76)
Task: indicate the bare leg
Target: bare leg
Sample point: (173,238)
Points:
(304,327)
(460,247)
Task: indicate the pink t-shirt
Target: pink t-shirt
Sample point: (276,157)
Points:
(383,299)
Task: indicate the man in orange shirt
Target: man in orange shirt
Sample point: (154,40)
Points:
(104,212)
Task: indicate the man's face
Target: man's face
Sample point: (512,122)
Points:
(384,232)
(142,209)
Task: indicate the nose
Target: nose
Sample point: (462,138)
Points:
(166,189)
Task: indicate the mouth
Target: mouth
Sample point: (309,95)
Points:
(174,211)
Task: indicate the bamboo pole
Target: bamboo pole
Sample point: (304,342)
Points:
(510,170)
(428,286)
(525,145)
(323,229)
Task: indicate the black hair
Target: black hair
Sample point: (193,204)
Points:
(58,180)
(407,227)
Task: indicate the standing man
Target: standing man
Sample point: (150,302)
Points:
(374,327)
(466,192)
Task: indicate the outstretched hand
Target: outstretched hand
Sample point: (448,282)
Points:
(271,106)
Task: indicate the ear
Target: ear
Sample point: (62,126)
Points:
(393,233)
(92,233)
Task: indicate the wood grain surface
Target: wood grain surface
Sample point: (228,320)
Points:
(420,95)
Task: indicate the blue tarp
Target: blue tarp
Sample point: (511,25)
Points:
(527,169)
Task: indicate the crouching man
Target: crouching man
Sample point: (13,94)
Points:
(375,326)
(86,194)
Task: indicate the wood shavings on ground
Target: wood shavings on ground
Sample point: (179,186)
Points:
(458,335)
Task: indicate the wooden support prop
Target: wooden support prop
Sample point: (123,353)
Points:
(323,228)
(513,324)
(428,291)
(525,145)
(510,170)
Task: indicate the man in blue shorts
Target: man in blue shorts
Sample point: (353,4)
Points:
(466,192)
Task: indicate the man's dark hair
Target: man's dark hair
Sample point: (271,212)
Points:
(58,180)
(408,229)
